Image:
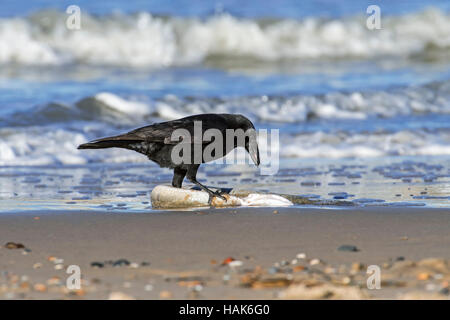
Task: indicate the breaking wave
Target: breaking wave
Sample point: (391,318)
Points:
(145,40)
(52,145)
(371,144)
(105,107)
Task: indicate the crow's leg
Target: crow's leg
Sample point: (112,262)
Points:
(192,176)
(178,177)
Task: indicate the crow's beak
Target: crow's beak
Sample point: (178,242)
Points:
(254,151)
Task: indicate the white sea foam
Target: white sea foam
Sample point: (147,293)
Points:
(146,40)
(52,145)
(373,144)
(433,98)
(107,107)
(117,103)
(39,146)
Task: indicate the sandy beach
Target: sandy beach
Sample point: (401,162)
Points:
(277,253)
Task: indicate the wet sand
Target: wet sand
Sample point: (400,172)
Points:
(183,254)
(393,182)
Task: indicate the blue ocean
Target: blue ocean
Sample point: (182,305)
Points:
(363,114)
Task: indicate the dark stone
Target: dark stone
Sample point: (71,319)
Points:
(96,264)
(121,262)
(348,248)
(445,291)
(13,245)
(310,183)
(273,270)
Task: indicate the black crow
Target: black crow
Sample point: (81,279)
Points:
(164,143)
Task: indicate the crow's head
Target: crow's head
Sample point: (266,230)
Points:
(251,143)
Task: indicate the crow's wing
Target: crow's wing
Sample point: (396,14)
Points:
(170,132)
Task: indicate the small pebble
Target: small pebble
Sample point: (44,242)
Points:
(227,260)
(97,265)
(78,292)
(198,288)
(301,256)
(423,276)
(284,263)
(357,266)
(348,248)
(148,287)
(25,285)
(445,291)
(14,245)
(298,268)
(273,270)
(330,270)
(54,281)
(9,295)
(235,263)
(117,295)
(430,287)
(121,262)
(346,280)
(40,287)
(165,294)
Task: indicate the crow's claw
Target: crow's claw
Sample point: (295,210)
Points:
(219,195)
(221,192)
(216,194)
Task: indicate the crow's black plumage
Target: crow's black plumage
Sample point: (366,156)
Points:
(156,142)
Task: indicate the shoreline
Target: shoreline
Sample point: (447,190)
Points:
(393,182)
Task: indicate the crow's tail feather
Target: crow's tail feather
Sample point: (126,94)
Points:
(121,141)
